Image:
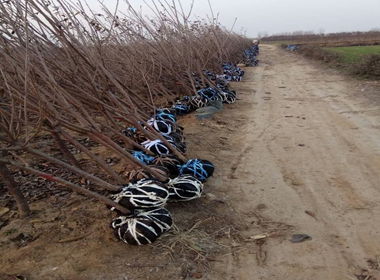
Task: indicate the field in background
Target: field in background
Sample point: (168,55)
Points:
(353,54)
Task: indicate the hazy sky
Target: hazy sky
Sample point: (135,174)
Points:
(275,16)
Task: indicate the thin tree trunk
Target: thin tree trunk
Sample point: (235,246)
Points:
(97,159)
(80,172)
(58,140)
(68,184)
(14,189)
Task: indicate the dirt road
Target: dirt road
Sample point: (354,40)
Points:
(308,143)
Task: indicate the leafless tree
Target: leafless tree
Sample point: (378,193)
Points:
(69,72)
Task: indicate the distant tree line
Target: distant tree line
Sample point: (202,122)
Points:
(308,36)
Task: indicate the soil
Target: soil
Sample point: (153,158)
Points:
(298,153)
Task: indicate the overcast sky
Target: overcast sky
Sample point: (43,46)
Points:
(276,16)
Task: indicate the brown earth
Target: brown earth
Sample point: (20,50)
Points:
(298,153)
(311,143)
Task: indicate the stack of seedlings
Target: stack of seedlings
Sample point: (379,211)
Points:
(291,47)
(212,87)
(251,55)
(145,196)
(68,74)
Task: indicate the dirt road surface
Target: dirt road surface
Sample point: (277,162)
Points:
(307,160)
